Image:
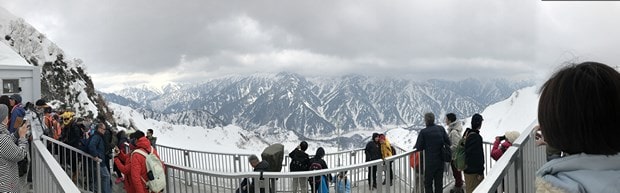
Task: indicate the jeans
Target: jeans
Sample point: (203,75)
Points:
(301,184)
(106,182)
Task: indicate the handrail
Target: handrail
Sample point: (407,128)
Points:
(67,146)
(515,170)
(45,169)
(187,179)
(75,158)
(294,174)
(499,171)
(47,174)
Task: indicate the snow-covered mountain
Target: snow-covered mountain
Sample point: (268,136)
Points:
(514,113)
(313,107)
(63,78)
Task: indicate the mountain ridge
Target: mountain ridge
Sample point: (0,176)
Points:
(319,106)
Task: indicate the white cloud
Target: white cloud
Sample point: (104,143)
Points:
(450,39)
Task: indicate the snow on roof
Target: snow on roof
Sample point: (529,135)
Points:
(9,57)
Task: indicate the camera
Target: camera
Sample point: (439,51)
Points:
(32,117)
(501,138)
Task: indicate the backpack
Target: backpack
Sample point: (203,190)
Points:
(323,187)
(315,165)
(154,171)
(299,164)
(458,156)
(414,160)
(446,152)
(54,127)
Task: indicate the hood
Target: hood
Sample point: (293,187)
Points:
(3,129)
(144,143)
(512,136)
(319,153)
(261,166)
(374,135)
(17,98)
(456,125)
(582,173)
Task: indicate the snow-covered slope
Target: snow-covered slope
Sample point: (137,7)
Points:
(225,139)
(513,114)
(9,57)
(63,78)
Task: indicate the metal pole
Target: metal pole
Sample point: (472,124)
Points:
(99,176)
(188,176)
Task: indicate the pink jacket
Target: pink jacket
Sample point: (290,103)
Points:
(498,150)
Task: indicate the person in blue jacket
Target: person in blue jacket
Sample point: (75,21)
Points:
(343,184)
(17,113)
(96,147)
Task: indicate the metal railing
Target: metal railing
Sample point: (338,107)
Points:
(47,175)
(213,181)
(225,162)
(194,175)
(83,169)
(515,170)
(181,159)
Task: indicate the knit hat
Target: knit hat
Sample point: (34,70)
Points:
(41,103)
(4,112)
(17,98)
(512,136)
(303,145)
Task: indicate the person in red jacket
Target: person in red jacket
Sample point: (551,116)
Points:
(123,163)
(499,148)
(138,162)
(135,165)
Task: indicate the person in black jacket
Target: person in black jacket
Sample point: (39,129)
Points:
(318,159)
(259,166)
(299,162)
(72,134)
(373,152)
(431,140)
(474,155)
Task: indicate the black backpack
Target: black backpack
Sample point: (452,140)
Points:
(300,164)
(315,165)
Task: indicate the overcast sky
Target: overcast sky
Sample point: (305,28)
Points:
(144,41)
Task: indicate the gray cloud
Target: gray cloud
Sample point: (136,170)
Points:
(124,42)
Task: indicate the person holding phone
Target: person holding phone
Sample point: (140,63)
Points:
(500,147)
(17,113)
(13,150)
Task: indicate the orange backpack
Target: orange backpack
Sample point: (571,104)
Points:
(414,160)
(54,127)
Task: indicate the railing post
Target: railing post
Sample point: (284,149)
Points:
(188,164)
(98,176)
(237,163)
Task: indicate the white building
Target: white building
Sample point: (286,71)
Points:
(17,76)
